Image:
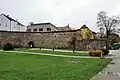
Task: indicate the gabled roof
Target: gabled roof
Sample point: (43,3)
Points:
(84,26)
(20,24)
(11,19)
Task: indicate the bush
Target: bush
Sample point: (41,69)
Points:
(95,53)
(106,51)
(8,46)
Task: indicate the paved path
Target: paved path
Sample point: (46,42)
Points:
(108,56)
(112,54)
(112,71)
(60,50)
(53,54)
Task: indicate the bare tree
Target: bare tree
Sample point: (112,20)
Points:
(108,23)
(73,41)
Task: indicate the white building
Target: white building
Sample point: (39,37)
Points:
(41,27)
(9,24)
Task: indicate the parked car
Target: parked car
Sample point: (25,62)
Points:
(116,46)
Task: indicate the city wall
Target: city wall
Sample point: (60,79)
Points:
(56,39)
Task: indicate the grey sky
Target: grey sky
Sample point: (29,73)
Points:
(59,12)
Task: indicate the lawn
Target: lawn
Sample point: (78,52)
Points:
(56,52)
(16,66)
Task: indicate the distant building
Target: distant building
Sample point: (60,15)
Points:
(86,33)
(64,28)
(9,24)
(41,27)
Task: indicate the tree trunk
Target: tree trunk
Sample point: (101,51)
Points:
(107,35)
(53,49)
(74,47)
(40,48)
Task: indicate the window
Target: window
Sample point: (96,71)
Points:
(48,29)
(34,30)
(14,26)
(6,25)
(40,29)
(29,30)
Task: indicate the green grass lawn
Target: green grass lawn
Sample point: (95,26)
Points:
(16,66)
(56,52)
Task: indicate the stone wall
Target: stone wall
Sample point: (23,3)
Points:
(90,44)
(58,39)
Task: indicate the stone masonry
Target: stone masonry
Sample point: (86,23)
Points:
(56,39)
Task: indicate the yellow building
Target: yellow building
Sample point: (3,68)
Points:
(86,33)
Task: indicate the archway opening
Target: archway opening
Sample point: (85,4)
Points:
(31,44)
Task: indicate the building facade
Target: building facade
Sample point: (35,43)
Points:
(86,33)
(9,24)
(41,27)
(64,28)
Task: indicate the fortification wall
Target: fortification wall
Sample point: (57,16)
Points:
(58,39)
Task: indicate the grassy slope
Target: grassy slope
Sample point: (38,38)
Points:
(14,66)
(56,52)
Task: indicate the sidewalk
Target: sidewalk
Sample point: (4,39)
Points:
(112,71)
(60,50)
(112,53)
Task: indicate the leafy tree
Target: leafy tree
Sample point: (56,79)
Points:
(114,38)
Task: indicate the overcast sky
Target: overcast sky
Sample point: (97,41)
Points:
(59,12)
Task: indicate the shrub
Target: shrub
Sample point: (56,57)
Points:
(8,46)
(106,51)
(95,53)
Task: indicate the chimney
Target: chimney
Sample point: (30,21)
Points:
(30,23)
(8,15)
(68,26)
